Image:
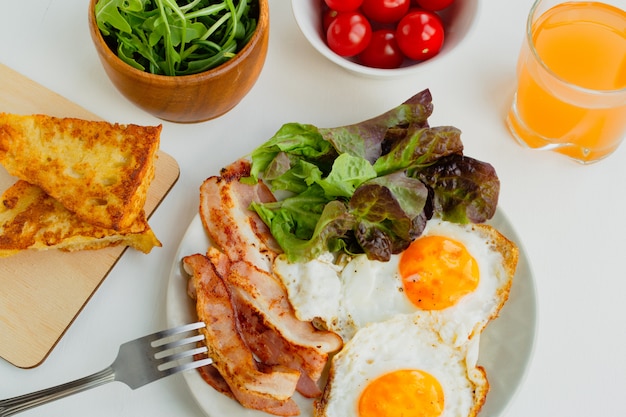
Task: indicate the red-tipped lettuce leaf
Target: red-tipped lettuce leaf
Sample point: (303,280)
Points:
(465,189)
(419,148)
(390,214)
(365,138)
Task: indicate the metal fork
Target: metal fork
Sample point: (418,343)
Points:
(138,363)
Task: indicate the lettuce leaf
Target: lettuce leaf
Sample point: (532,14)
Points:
(369,187)
(419,148)
(296,178)
(390,213)
(347,174)
(298,214)
(364,139)
(296,141)
(330,228)
(465,189)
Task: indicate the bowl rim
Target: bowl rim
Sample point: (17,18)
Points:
(301,17)
(105,51)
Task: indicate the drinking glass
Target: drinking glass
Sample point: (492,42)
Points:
(571,73)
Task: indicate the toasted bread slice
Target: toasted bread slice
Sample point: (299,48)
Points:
(99,171)
(31,219)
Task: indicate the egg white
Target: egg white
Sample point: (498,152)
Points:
(372,291)
(366,291)
(313,287)
(404,342)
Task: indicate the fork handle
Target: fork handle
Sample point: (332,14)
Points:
(11,406)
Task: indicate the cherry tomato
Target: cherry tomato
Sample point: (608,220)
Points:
(385,11)
(420,34)
(434,5)
(344,5)
(349,34)
(327,18)
(382,51)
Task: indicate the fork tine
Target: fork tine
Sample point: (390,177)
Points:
(159,337)
(158,355)
(173,357)
(169,346)
(171,351)
(187,366)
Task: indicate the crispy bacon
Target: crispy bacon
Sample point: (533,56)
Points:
(225,214)
(254,385)
(212,376)
(271,348)
(250,249)
(241,258)
(268,323)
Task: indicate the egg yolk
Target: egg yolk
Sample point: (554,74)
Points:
(407,392)
(437,272)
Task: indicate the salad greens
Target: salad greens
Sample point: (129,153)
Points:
(167,38)
(369,187)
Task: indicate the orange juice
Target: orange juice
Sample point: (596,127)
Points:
(571,94)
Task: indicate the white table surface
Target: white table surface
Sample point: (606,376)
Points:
(570,217)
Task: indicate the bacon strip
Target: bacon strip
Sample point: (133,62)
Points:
(267,299)
(250,250)
(242,253)
(271,348)
(269,326)
(225,214)
(212,377)
(253,385)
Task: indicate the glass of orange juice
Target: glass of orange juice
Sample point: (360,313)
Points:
(571,91)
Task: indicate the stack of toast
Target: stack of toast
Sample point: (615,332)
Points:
(80,184)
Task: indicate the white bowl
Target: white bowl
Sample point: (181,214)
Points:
(458,21)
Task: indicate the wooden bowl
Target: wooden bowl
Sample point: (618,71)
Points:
(188,98)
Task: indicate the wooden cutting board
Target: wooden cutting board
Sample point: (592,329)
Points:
(41,293)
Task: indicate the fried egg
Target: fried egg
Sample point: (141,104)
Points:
(401,367)
(459,274)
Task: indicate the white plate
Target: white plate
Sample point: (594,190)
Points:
(505,349)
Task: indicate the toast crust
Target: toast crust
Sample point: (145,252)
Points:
(98,170)
(31,219)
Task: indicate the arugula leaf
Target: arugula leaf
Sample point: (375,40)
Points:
(197,64)
(128,48)
(109,11)
(161,37)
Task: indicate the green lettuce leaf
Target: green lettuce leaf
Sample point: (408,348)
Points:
(331,227)
(298,141)
(347,174)
(296,177)
(298,214)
